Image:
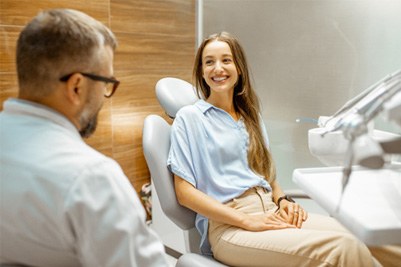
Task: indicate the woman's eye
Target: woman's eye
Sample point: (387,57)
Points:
(209,62)
(227,60)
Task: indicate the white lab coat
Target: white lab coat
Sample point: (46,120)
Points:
(62,202)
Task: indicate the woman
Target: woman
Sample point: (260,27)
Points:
(224,172)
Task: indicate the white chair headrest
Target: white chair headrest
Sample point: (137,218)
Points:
(174,94)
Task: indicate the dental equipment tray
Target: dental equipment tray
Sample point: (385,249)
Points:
(370,206)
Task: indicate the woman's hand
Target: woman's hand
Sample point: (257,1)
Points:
(267,221)
(292,213)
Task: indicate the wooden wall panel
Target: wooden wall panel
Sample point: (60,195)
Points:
(147,53)
(166,17)
(156,39)
(9,35)
(19,12)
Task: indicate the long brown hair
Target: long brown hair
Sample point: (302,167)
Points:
(246,103)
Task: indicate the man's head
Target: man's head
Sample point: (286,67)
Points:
(57,52)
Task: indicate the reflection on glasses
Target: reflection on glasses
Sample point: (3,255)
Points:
(111,83)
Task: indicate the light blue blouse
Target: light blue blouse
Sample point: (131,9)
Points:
(209,150)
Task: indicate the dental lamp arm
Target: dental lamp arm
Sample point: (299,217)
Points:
(357,99)
(352,118)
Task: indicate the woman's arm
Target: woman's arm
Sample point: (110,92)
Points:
(192,198)
(292,212)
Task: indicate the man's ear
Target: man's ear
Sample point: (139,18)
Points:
(75,89)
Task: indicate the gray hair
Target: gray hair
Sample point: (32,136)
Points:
(55,43)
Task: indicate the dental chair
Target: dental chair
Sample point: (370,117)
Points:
(173,94)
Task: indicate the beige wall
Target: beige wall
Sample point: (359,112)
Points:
(156,39)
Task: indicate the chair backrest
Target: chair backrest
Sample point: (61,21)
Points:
(172,94)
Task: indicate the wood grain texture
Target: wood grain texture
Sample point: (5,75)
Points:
(145,53)
(22,11)
(156,39)
(9,36)
(155,17)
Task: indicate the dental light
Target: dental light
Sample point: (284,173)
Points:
(353,119)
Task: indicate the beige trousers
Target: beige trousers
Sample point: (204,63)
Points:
(321,241)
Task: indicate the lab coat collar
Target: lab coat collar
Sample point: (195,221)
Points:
(25,107)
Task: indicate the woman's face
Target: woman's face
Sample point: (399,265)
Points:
(218,67)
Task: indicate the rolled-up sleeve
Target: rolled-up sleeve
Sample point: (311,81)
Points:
(180,160)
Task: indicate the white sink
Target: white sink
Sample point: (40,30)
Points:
(331,148)
(370,205)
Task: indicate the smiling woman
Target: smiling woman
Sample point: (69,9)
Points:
(223,170)
(239,99)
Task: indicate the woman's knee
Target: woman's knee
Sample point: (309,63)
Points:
(349,251)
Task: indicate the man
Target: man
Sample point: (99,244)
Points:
(62,202)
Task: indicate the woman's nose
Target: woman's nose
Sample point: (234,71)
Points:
(218,66)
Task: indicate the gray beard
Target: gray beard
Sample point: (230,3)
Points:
(89,128)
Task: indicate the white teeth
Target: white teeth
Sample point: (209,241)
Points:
(218,79)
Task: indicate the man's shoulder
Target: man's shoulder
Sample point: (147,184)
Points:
(86,156)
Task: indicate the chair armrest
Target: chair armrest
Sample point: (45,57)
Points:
(296,193)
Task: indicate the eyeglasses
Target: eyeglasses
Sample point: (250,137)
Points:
(111,83)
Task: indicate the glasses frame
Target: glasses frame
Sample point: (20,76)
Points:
(95,77)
